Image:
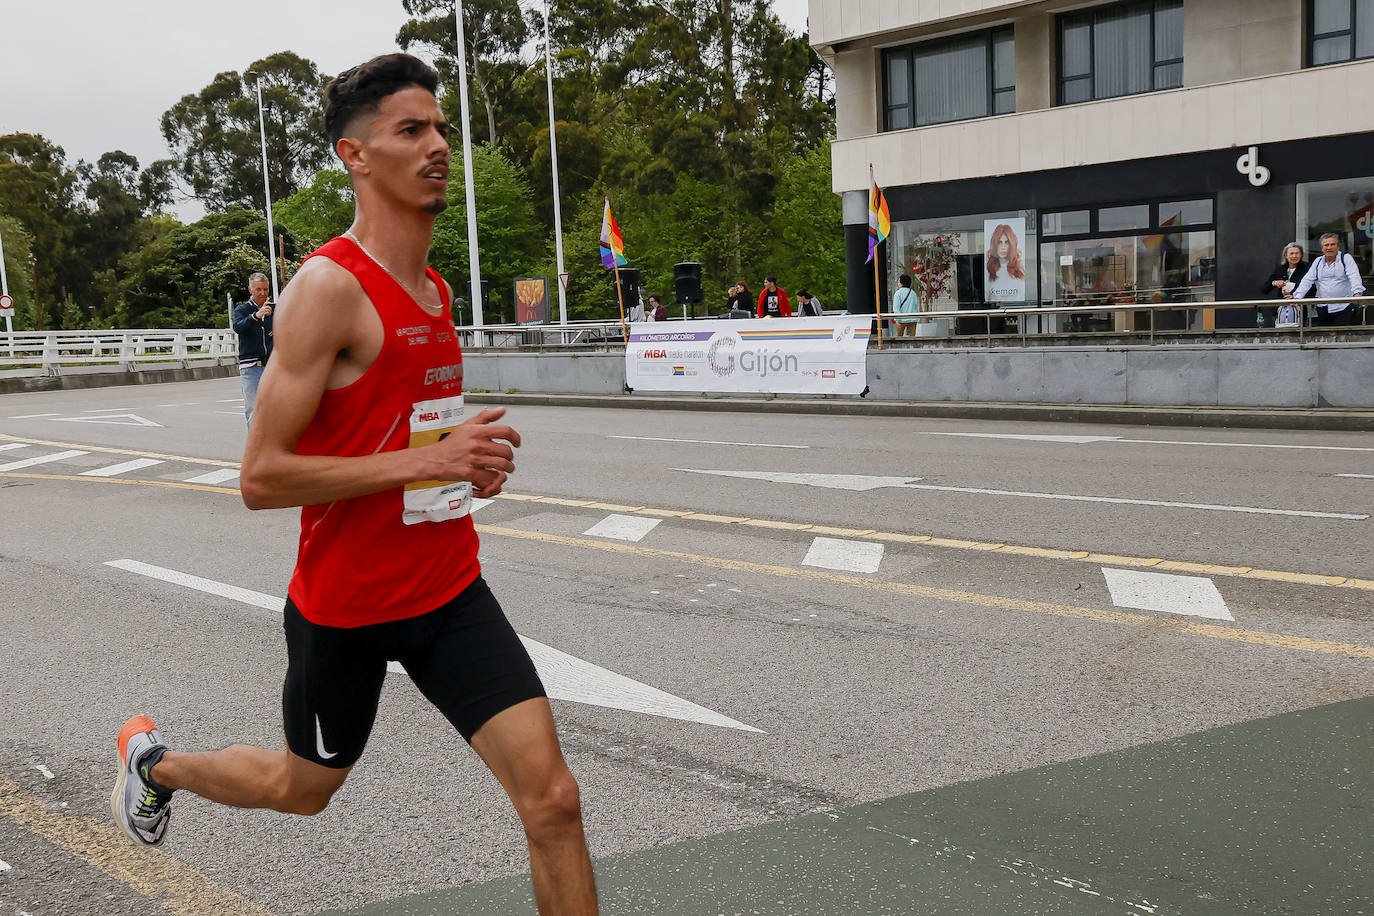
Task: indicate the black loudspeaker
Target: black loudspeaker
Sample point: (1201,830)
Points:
(687,282)
(629,286)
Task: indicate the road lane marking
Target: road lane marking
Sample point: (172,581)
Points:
(106,409)
(565,677)
(214,477)
(623,527)
(30,416)
(707,442)
(11,446)
(122,468)
(846,556)
(115,419)
(1358,476)
(175,886)
(41,459)
(1323,580)
(4,866)
(1176,625)
(862,482)
(1072,440)
(1195,596)
(214,462)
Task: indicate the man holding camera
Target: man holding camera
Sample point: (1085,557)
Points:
(253,325)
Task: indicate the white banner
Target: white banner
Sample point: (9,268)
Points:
(759,356)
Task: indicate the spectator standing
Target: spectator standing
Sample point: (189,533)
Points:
(657,310)
(253,325)
(773,300)
(1334,274)
(739,300)
(637,312)
(808,305)
(1292,268)
(904,301)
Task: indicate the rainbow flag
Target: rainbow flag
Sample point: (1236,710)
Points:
(879,219)
(612,244)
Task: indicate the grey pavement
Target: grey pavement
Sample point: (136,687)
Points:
(952,702)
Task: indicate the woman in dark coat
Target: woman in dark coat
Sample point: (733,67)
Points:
(1291,269)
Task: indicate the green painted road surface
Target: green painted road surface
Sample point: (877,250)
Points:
(1271,816)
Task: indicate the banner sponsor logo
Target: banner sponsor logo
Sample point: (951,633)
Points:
(801,355)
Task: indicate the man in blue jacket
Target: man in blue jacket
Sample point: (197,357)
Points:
(253,324)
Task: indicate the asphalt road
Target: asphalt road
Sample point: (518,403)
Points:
(800,665)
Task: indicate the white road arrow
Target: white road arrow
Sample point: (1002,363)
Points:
(112,419)
(565,677)
(862,482)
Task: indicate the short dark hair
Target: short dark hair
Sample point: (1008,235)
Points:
(360,90)
(773,280)
(904,280)
(654,299)
(803,294)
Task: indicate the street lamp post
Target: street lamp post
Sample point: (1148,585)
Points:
(474,268)
(553,158)
(267,196)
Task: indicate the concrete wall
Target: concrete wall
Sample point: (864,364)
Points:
(1221,116)
(832,21)
(1235,39)
(1239,375)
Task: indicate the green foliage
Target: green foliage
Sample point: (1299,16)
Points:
(807,249)
(181,278)
(512,242)
(318,213)
(18,245)
(215,138)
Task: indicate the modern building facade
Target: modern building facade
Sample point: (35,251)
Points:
(1111,152)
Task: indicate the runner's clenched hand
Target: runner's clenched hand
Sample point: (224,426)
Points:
(479,451)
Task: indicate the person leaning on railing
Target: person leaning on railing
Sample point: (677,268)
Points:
(1292,268)
(1334,274)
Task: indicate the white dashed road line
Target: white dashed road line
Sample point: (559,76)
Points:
(1358,476)
(214,477)
(846,556)
(1194,596)
(623,527)
(707,442)
(11,446)
(31,416)
(115,470)
(42,459)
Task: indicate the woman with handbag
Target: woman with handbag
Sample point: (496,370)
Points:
(1292,268)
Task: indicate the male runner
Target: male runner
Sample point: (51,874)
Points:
(357,422)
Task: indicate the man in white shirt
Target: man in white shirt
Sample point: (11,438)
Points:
(1335,274)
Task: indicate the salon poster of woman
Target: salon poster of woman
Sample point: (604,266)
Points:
(1005,277)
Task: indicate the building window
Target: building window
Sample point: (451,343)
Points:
(1122,255)
(1121,49)
(1345,207)
(1339,30)
(949,79)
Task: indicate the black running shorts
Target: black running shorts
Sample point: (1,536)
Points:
(465,657)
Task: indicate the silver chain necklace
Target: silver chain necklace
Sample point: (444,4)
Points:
(419,300)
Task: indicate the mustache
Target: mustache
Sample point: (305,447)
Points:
(442,160)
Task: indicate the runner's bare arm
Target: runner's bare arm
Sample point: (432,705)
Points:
(323,320)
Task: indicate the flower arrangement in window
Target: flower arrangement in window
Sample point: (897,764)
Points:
(932,259)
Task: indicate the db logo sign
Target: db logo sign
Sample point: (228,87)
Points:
(1248,165)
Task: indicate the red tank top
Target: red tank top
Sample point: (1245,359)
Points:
(405,551)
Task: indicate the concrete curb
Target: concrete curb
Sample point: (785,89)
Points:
(154,375)
(1269,418)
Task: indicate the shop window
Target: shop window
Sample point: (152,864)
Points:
(949,79)
(1345,207)
(1120,49)
(1339,31)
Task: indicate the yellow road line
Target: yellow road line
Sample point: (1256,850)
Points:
(1052,553)
(175,886)
(172,484)
(121,451)
(1253,637)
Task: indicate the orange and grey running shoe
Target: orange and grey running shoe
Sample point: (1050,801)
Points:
(138,804)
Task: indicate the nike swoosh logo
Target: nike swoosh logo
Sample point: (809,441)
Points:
(319,741)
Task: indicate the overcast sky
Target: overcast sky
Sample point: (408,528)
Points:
(97,76)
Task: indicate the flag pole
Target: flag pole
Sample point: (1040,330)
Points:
(620,298)
(474,267)
(877,298)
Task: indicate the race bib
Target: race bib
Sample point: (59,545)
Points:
(435,500)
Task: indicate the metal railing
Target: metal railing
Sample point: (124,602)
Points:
(51,350)
(54,349)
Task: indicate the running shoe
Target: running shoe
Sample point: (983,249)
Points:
(138,805)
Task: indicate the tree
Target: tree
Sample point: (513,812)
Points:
(319,212)
(214,134)
(807,225)
(494,31)
(18,245)
(180,279)
(512,241)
